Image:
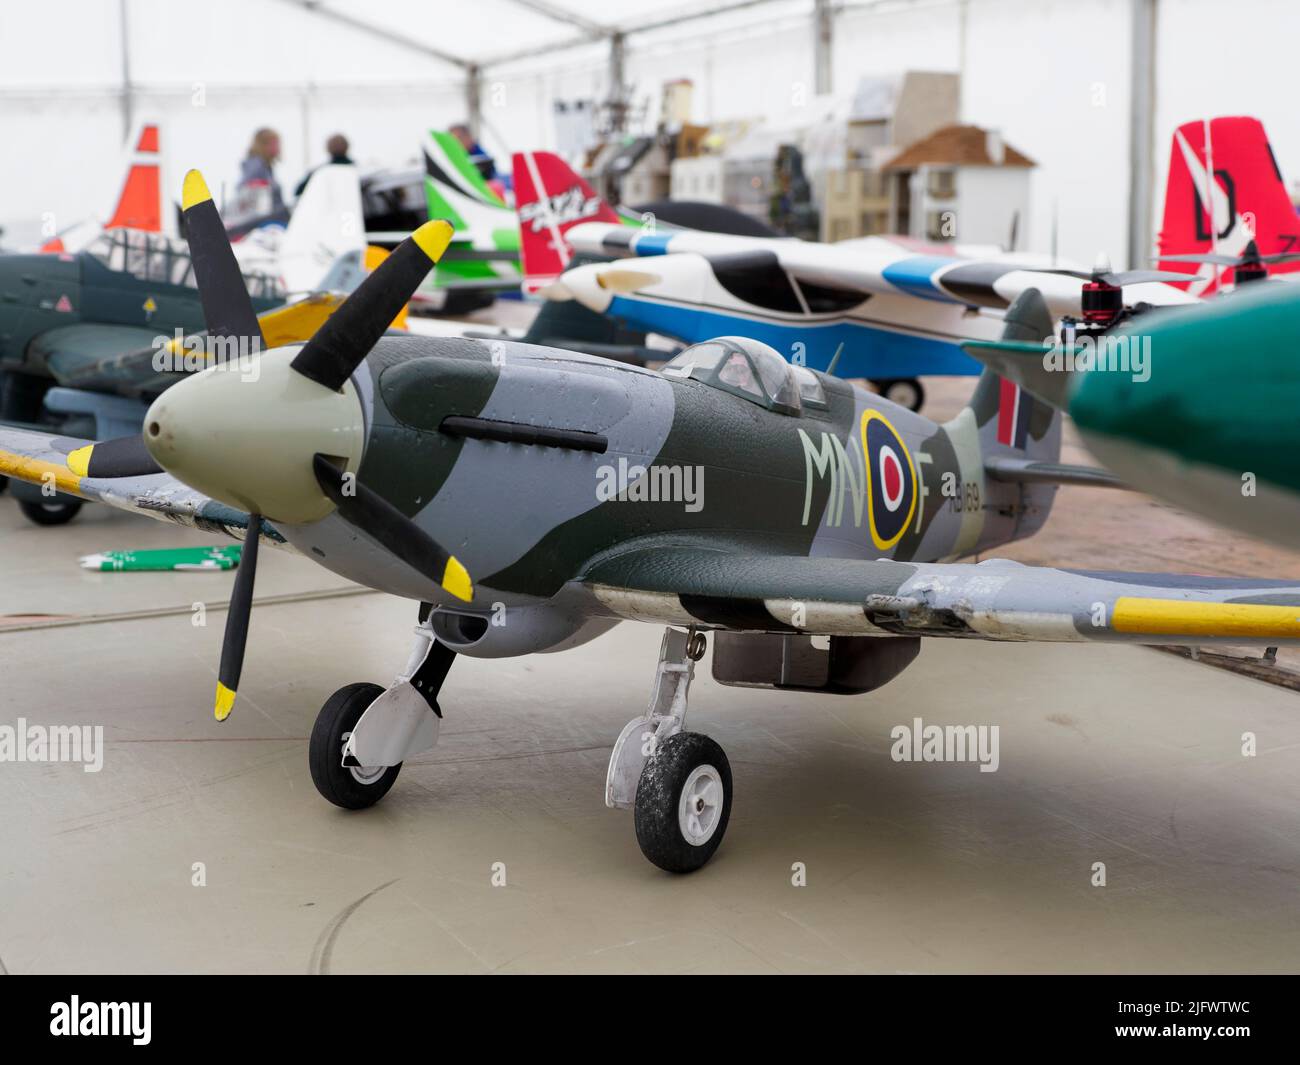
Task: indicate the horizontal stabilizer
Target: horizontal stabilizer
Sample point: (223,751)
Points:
(1028,471)
(1022,362)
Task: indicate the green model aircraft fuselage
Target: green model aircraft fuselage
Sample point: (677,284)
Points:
(70,319)
(1198,405)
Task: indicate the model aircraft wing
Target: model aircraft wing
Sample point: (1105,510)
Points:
(989,283)
(992,284)
(41,458)
(93,355)
(993,600)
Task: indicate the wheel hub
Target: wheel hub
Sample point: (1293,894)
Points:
(700,807)
(362,774)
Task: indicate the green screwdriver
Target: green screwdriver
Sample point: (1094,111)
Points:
(168,558)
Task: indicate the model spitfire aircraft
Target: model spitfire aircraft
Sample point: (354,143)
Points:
(531,498)
(900,315)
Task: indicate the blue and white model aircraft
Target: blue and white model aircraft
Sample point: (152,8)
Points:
(900,315)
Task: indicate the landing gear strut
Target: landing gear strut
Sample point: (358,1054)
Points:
(677,783)
(363,733)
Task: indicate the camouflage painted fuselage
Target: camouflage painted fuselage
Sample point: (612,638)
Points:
(73,320)
(616,458)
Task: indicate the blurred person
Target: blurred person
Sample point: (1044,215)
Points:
(256,171)
(477,154)
(337,149)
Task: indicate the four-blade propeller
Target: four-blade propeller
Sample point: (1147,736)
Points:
(329,358)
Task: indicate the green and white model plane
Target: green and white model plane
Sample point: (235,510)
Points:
(484,253)
(530,498)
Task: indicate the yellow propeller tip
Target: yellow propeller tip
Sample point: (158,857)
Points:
(79,460)
(225,702)
(433,238)
(455,579)
(194,191)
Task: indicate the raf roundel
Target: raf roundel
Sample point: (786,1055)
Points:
(891,482)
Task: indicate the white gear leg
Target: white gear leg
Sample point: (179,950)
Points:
(665,716)
(404,720)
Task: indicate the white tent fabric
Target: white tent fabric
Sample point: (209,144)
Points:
(1053,76)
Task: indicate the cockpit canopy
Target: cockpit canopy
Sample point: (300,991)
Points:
(749,369)
(156,258)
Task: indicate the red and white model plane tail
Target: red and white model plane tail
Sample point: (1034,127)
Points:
(139,202)
(1224,190)
(550,199)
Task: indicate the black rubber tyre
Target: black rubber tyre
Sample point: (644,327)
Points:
(334,724)
(905,391)
(660,810)
(53,512)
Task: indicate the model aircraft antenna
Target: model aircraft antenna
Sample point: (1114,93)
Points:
(830,369)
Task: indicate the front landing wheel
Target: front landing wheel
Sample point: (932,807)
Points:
(352,787)
(905,391)
(683,802)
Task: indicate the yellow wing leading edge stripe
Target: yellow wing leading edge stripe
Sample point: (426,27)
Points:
(1177,617)
(38,471)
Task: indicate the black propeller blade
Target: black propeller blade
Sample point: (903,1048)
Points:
(236,637)
(374,515)
(1123,277)
(343,341)
(125,456)
(329,358)
(229,314)
(227,309)
(1249,257)
(1218,258)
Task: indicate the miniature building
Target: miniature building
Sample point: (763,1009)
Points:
(885,114)
(699,178)
(961,183)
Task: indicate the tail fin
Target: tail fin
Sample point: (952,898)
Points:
(1224,188)
(326,223)
(550,199)
(449,169)
(486,234)
(1019,435)
(139,204)
(1017,422)
(1010,419)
